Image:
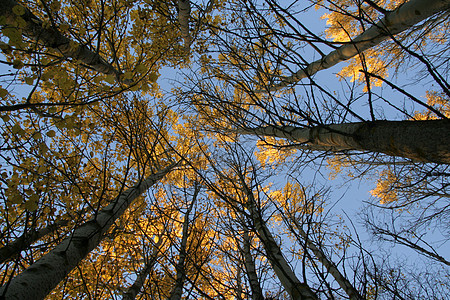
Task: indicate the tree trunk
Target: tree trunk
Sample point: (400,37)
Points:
(250,269)
(402,18)
(425,141)
(343,282)
(22,243)
(184,13)
(133,290)
(27,239)
(180,267)
(43,276)
(296,289)
(52,38)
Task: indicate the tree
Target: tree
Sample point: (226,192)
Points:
(89,124)
(46,273)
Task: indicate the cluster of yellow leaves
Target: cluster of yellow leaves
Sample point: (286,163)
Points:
(272,151)
(372,63)
(437,100)
(344,25)
(385,187)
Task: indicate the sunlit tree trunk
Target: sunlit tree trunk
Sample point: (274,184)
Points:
(425,141)
(250,268)
(296,289)
(52,38)
(402,18)
(44,275)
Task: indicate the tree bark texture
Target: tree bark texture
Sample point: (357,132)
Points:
(296,289)
(134,289)
(250,268)
(425,141)
(343,282)
(52,38)
(177,290)
(43,276)
(184,13)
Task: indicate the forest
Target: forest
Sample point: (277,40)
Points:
(224,149)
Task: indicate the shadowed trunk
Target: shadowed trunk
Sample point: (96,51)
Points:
(296,289)
(425,141)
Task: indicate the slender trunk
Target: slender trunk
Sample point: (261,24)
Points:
(180,267)
(402,18)
(133,290)
(52,38)
(343,282)
(22,243)
(296,289)
(425,141)
(43,276)
(184,13)
(250,269)
(10,250)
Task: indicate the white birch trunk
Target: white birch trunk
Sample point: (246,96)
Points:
(180,267)
(43,276)
(343,282)
(425,141)
(27,239)
(250,269)
(402,18)
(184,13)
(296,289)
(22,243)
(52,38)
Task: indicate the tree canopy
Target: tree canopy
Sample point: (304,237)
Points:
(201,149)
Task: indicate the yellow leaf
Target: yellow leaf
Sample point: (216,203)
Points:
(127,75)
(29,80)
(16,128)
(51,133)
(3,93)
(110,79)
(64,27)
(17,64)
(18,10)
(15,197)
(37,136)
(153,77)
(31,205)
(141,69)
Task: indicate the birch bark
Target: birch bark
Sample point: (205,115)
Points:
(180,267)
(425,141)
(397,21)
(134,290)
(184,13)
(52,38)
(296,289)
(250,268)
(343,282)
(44,275)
